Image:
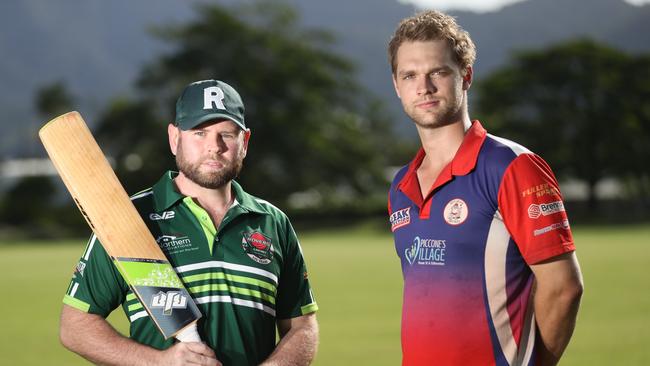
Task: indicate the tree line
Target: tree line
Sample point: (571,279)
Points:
(321,144)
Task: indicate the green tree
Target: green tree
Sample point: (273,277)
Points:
(28,201)
(312,127)
(576,104)
(633,146)
(135,140)
(29,204)
(28,208)
(32,205)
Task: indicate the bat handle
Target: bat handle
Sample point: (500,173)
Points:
(189,334)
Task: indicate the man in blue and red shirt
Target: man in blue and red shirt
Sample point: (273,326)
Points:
(487,254)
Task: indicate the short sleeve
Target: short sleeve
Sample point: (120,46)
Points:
(96,286)
(295,297)
(532,208)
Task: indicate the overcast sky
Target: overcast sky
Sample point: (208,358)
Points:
(478,5)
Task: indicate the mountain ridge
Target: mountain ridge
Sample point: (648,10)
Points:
(98,48)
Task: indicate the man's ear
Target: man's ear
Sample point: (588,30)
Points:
(247,137)
(173,133)
(395,86)
(467,78)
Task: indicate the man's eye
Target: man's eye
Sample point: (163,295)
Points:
(438,74)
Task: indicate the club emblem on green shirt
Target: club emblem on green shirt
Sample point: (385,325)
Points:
(258,247)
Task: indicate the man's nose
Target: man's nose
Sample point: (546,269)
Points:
(425,85)
(217,145)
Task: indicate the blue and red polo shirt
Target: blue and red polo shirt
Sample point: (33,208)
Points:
(466,248)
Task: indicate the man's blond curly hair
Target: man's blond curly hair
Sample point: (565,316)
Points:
(433,25)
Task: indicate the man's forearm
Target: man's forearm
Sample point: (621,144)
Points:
(93,338)
(297,347)
(556,299)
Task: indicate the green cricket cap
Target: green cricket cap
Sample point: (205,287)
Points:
(206,100)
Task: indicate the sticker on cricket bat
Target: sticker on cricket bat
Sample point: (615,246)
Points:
(159,289)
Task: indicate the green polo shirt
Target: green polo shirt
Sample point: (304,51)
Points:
(243,275)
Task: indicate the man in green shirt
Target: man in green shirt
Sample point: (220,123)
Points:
(237,255)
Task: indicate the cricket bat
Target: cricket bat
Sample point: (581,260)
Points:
(105,205)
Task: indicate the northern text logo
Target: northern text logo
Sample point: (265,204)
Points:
(171,244)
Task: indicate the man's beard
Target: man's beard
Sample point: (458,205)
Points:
(446,117)
(448,114)
(443,119)
(213,179)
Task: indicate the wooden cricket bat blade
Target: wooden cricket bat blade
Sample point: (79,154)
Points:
(107,208)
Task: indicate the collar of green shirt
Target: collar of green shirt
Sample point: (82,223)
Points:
(166,195)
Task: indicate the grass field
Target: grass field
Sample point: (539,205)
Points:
(357,282)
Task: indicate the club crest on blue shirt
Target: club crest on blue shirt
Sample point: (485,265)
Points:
(455,212)
(258,247)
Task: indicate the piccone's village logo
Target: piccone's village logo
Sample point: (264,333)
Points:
(258,247)
(427,252)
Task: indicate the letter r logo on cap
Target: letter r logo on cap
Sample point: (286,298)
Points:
(213,95)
